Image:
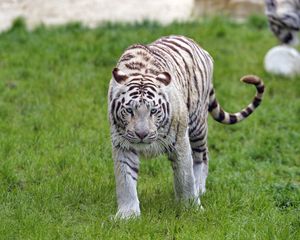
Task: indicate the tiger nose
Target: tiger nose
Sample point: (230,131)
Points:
(142,134)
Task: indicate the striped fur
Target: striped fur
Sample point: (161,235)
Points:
(159,98)
(284,19)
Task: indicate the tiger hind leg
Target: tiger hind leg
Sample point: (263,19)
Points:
(200,159)
(200,168)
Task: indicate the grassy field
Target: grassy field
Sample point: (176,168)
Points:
(56,169)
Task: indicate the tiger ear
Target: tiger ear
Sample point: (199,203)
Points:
(119,76)
(164,77)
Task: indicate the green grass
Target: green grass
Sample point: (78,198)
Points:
(56,169)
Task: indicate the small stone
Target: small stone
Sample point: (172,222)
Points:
(283,60)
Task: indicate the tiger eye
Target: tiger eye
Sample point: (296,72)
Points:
(129,110)
(153,111)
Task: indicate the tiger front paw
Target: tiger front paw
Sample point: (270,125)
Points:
(128,213)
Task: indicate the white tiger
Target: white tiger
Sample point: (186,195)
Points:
(159,98)
(284,19)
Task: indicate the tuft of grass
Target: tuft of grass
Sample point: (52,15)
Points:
(56,169)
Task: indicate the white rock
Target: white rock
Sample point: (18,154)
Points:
(283,60)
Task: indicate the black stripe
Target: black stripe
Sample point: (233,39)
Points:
(133,93)
(212,105)
(126,57)
(113,105)
(200,146)
(201,138)
(244,114)
(176,136)
(260,89)
(205,157)
(256,101)
(134,178)
(232,118)
(249,110)
(135,74)
(150,94)
(133,151)
(221,115)
(136,170)
(199,150)
(197,162)
(133,87)
(169,129)
(118,107)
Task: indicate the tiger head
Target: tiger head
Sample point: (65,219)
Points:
(285,26)
(139,106)
(285,35)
